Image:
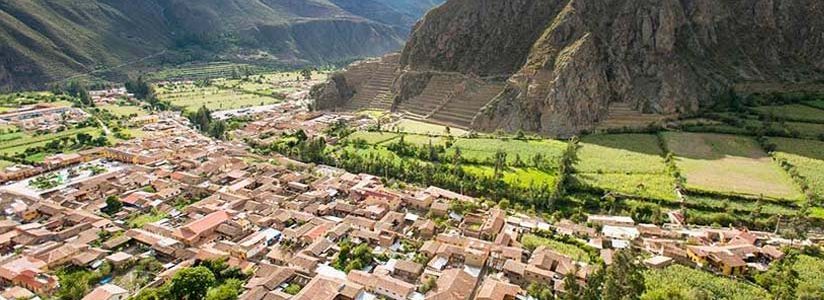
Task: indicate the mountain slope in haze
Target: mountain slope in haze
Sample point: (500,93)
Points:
(42,41)
(566,61)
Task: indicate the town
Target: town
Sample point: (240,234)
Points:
(175,214)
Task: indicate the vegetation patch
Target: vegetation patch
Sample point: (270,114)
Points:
(649,186)
(806,157)
(418,127)
(680,282)
(620,153)
(793,112)
(532,241)
(372,137)
(518,151)
(730,165)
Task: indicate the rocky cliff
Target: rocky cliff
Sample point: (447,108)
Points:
(565,61)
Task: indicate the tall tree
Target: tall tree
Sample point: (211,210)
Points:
(623,279)
(191,283)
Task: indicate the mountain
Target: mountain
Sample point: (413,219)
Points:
(42,41)
(564,63)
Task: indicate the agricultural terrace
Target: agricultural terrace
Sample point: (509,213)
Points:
(274,84)
(191,97)
(793,112)
(816,103)
(418,127)
(729,165)
(372,137)
(690,283)
(807,157)
(483,150)
(631,164)
(204,71)
(522,177)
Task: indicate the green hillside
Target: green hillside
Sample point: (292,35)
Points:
(46,41)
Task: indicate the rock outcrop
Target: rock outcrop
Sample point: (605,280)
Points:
(566,61)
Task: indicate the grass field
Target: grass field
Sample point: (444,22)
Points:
(373,138)
(418,127)
(620,153)
(124,111)
(191,97)
(731,165)
(421,140)
(793,112)
(688,282)
(808,158)
(725,204)
(482,150)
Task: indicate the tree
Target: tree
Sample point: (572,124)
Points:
(306,74)
(140,88)
(229,290)
(623,279)
(781,279)
(191,283)
(113,205)
(217,129)
(572,289)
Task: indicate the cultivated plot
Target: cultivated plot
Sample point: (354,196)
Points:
(731,165)
(807,157)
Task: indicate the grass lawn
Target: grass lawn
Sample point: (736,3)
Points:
(793,112)
(808,158)
(124,111)
(730,164)
(687,282)
(531,241)
(143,219)
(372,138)
(483,150)
(620,153)
(650,186)
(418,127)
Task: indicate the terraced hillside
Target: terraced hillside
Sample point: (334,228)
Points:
(622,115)
(439,89)
(377,78)
(461,109)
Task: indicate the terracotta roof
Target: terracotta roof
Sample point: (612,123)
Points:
(105,292)
(454,284)
(496,290)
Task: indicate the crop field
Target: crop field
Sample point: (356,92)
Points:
(483,150)
(793,112)
(686,281)
(732,165)
(418,127)
(807,157)
(725,204)
(192,97)
(204,71)
(650,186)
(14,146)
(272,83)
(523,177)
(421,140)
(124,110)
(620,153)
(630,164)
(809,269)
(373,138)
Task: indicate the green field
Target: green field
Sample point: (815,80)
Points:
(810,275)
(688,283)
(816,103)
(630,164)
(650,186)
(793,112)
(19,145)
(124,110)
(731,165)
(372,138)
(418,127)
(483,150)
(421,140)
(522,177)
(203,71)
(807,157)
(620,153)
(191,97)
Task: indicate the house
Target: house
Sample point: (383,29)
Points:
(107,292)
(453,284)
(201,229)
(407,270)
(328,288)
(492,289)
(718,259)
(29,273)
(383,285)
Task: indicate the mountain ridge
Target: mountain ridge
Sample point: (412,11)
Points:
(45,41)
